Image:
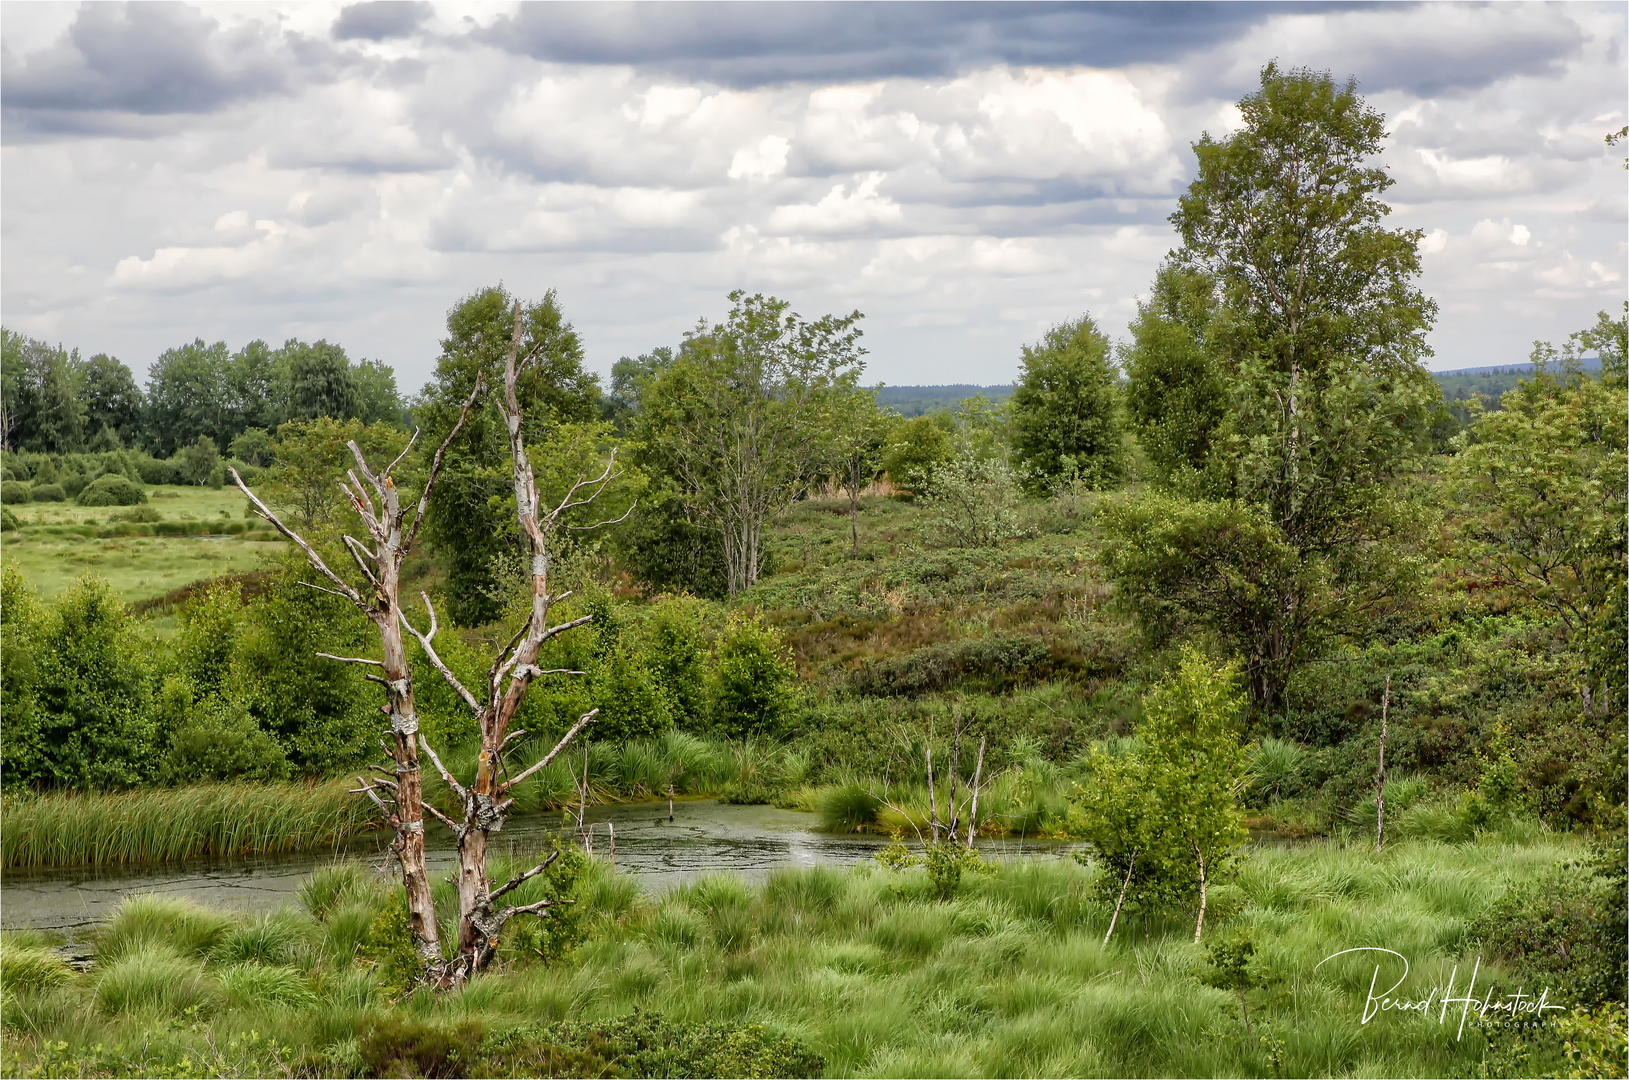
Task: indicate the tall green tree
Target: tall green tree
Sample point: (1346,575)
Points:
(111,398)
(39,396)
(1543,479)
(741,419)
(859,434)
(1298,503)
(320,382)
(1065,409)
(188,395)
(381,401)
(472,519)
(1176,371)
(258,385)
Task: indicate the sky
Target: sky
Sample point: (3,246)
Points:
(966,175)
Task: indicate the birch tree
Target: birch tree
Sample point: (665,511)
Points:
(740,418)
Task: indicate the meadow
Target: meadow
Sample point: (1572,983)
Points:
(816,972)
(181,535)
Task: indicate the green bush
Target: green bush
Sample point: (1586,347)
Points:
(48,493)
(15,491)
(8,520)
(73,483)
(112,489)
(215,739)
(158,471)
(754,681)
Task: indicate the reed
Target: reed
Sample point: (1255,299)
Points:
(156,825)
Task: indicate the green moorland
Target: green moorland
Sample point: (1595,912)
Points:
(1202,601)
(181,535)
(868,972)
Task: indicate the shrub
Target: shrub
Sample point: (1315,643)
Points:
(139,514)
(753,681)
(398,1047)
(112,489)
(157,471)
(48,493)
(215,740)
(974,503)
(73,483)
(8,520)
(15,491)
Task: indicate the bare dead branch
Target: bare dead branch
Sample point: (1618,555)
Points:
(368,790)
(430,635)
(520,879)
(563,627)
(435,464)
(351,659)
(435,759)
(440,665)
(360,555)
(533,671)
(316,560)
(411,442)
(456,827)
(529,909)
(332,592)
(550,756)
(608,521)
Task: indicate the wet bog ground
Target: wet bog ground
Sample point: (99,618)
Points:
(704,837)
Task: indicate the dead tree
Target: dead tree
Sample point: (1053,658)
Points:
(390,537)
(487,800)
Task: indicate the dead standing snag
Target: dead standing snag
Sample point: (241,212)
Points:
(486,801)
(401,800)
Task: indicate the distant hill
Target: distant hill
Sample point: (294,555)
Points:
(1460,384)
(919,400)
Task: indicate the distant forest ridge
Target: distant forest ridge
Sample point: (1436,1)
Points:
(1457,385)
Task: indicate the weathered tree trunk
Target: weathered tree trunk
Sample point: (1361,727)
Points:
(400,800)
(1380,775)
(486,802)
(1199,925)
(933,803)
(973,814)
(1124,885)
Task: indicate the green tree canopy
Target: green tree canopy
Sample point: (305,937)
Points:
(111,398)
(1065,409)
(320,382)
(1318,336)
(741,419)
(188,396)
(472,521)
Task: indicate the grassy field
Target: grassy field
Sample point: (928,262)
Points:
(850,973)
(60,541)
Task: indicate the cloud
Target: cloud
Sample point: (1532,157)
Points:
(751,45)
(150,59)
(380,20)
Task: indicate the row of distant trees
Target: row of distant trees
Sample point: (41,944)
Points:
(54,401)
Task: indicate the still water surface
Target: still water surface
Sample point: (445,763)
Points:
(704,837)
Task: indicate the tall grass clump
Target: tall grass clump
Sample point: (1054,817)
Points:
(28,966)
(155,825)
(152,978)
(184,927)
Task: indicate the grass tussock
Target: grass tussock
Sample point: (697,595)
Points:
(155,825)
